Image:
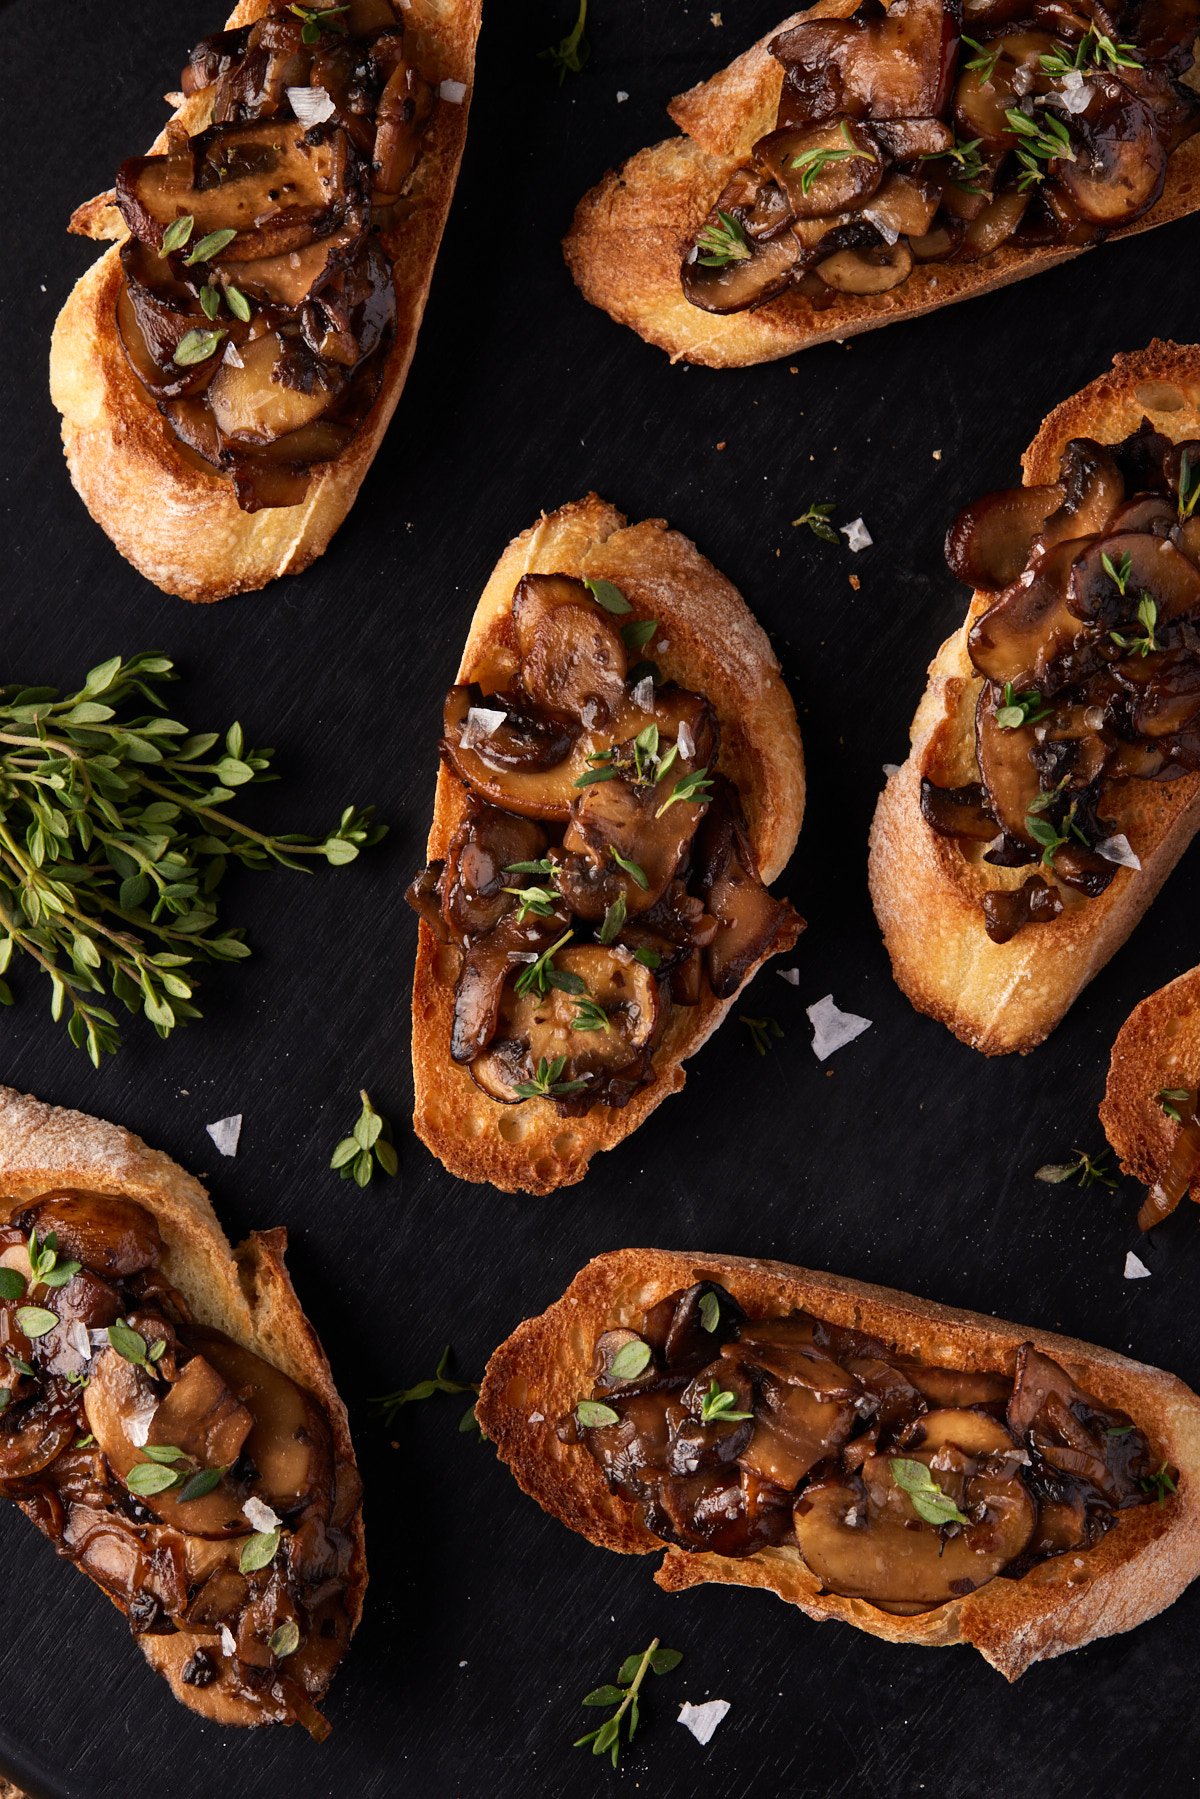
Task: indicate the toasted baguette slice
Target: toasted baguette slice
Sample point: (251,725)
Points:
(1157,1047)
(1139,1567)
(180,526)
(629,234)
(245,1292)
(1003,997)
(710,643)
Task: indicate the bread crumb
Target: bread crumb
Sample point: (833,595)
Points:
(716,19)
(622,96)
(721,445)
(793,371)
(937,455)
(855,583)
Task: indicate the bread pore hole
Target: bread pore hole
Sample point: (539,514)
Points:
(546,1168)
(1159,396)
(565,1144)
(512,1128)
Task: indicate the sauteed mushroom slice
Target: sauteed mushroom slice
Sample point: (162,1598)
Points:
(958,811)
(686,1327)
(1120,164)
(1111,576)
(478,868)
(825,169)
(33,1435)
(513,943)
(1093,487)
(619,826)
(896,64)
(867,271)
(751,923)
(253,401)
(1005,762)
(1026,630)
(604,1028)
(764,271)
(1008,910)
(201,1415)
(528,763)
(289,1445)
(112,1236)
(572,660)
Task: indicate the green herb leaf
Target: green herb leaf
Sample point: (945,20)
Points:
(719,244)
(614,919)
(196,346)
(716,1406)
(1160,1483)
(259,1551)
(595,1416)
(571,52)
(983,63)
(590,1017)
(35,1321)
(285,1640)
(535,978)
(198,1485)
(12,1284)
(390,1403)
(631,868)
(608,595)
(148,1478)
(210,246)
(356,1156)
(547,1082)
(649,958)
(210,300)
(624,1695)
(691,788)
(815,162)
(638,633)
(817,519)
(710,1311)
(762,1031)
(237,303)
(176,235)
(632,1359)
(1091,1171)
(663,1661)
(543,866)
(929,1502)
(1170,1099)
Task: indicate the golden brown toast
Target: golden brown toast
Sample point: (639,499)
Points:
(629,234)
(1141,1565)
(1157,1047)
(926,892)
(180,526)
(712,645)
(244,1292)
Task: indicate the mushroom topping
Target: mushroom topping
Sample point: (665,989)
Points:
(894,143)
(149,1450)
(258,305)
(477,884)
(751,923)
(903,1484)
(572,661)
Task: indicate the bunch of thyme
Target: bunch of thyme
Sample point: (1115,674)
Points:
(114,842)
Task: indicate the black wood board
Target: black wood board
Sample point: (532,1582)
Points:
(907,1160)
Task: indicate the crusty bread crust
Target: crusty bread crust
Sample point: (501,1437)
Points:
(1158,1046)
(245,1292)
(711,644)
(629,234)
(927,893)
(182,528)
(539,1374)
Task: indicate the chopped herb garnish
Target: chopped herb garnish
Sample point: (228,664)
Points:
(710,1311)
(369,1143)
(716,1406)
(391,1403)
(589,1016)
(1147,617)
(210,246)
(649,958)
(543,866)
(1094,48)
(1024,708)
(198,1485)
(259,1551)
(1118,572)
(12,1284)
(541,901)
(931,1505)
(638,634)
(762,1031)
(210,300)
(317,19)
(631,868)
(1160,1483)
(632,1359)
(608,595)
(614,918)
(547,1082)
(1189,486)
(285,1640)
(48,1271)
(1042,140)
(537,977)
(817,519)
(725,242)
(35,1321)
(594,1416)
(968,164)
(1051,837)
(1171,1098)
(176,235)
(133,1346)
(624,1695)
(572,51)
(984,61)
(196,346)
(815,162)
(237,303)
(1091,1170)
(691,788)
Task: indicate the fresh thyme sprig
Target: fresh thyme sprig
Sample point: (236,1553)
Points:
(716,1406)
(1118,572)
(1091,1170)
(48,1271)
(1052,837)
(369,1143)
(1023,708)
(319,18)
(547,1082)
(1171,1098)
(931,1505)
(1147,617)
(1189,486)
(542,974)
(984,61)
(817,519)
(589,1016)
(1094,48)
(814,162)
(572,51)
(388,1404)
(690,788)
(536,899)
(114,841)
(167,1469)
(969,165)
(762,1031)
(633,869)
(1160,1483)
(606,1740)
(1043,140)
(725,242)
(133,1346)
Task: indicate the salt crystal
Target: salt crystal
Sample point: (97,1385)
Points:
(643,694)
(1135,1268)
(79,1340)
(225,1133)
(453,91)
(622,96)
(482,722)
(311,105)
(832,1028)
(228,1646)
(260,1516)
(137,1424)
(702,1720)
(856,534)
(537,1418)
(1118,849)
(1076,92)
(790,975)
(890,769)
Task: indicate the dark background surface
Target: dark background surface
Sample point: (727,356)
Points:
(908,1160)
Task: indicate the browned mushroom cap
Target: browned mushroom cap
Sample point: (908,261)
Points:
(276,183)
(1142,565)
(212,56)
(1165,690)
(113,1237)
(255,84)
(866,1540)
(402,115)
(1068,1430)
(1029,627)
(957,811)
(254,402)
(572,660)
(766,269)
(202,1416)
(1005,762)
(487,964)
(1008,910)
(989,543)
(560,1023)
(994,225)
(289,1444)
(528,764)
(959,1388)
(33,1435)
(868,271)
(478,868)
(1093,487)
(904,206)
(616,829)
(893,65)
(1145,512)
(1120,161)
(825,169)
(155,312)
(907,139)
(983,96)
(751,923)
